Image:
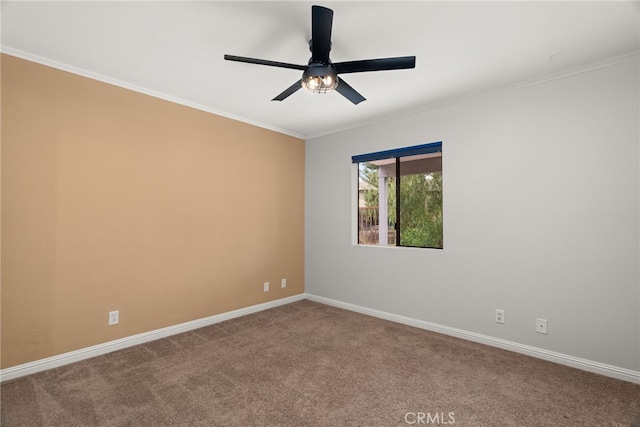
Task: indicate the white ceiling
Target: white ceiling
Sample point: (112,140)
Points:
(175,50)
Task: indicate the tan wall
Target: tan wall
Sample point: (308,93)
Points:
(114,200)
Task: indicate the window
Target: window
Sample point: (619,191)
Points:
(400,197)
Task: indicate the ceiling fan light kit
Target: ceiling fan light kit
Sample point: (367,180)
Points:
(319,78)
(320,75)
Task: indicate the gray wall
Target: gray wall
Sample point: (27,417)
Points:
(541,217)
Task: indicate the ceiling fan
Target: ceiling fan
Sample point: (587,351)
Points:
(320,75)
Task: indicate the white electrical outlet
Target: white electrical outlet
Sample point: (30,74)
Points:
(114,317)
(283,283)
(541,326)
(266,286)
(499,316)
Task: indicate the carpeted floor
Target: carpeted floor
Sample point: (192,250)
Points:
(308,364)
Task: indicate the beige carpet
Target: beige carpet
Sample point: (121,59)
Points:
(307,364)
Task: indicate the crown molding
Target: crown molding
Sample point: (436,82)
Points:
(140,89)
(630,56)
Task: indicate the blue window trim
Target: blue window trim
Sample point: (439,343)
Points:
(432,147)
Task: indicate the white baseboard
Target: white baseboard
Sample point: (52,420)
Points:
(99,349)
(563,359)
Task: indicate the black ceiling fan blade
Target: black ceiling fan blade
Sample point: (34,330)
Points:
(398,63)
(350,93)
(264,62)
(288,91)
(321,22)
